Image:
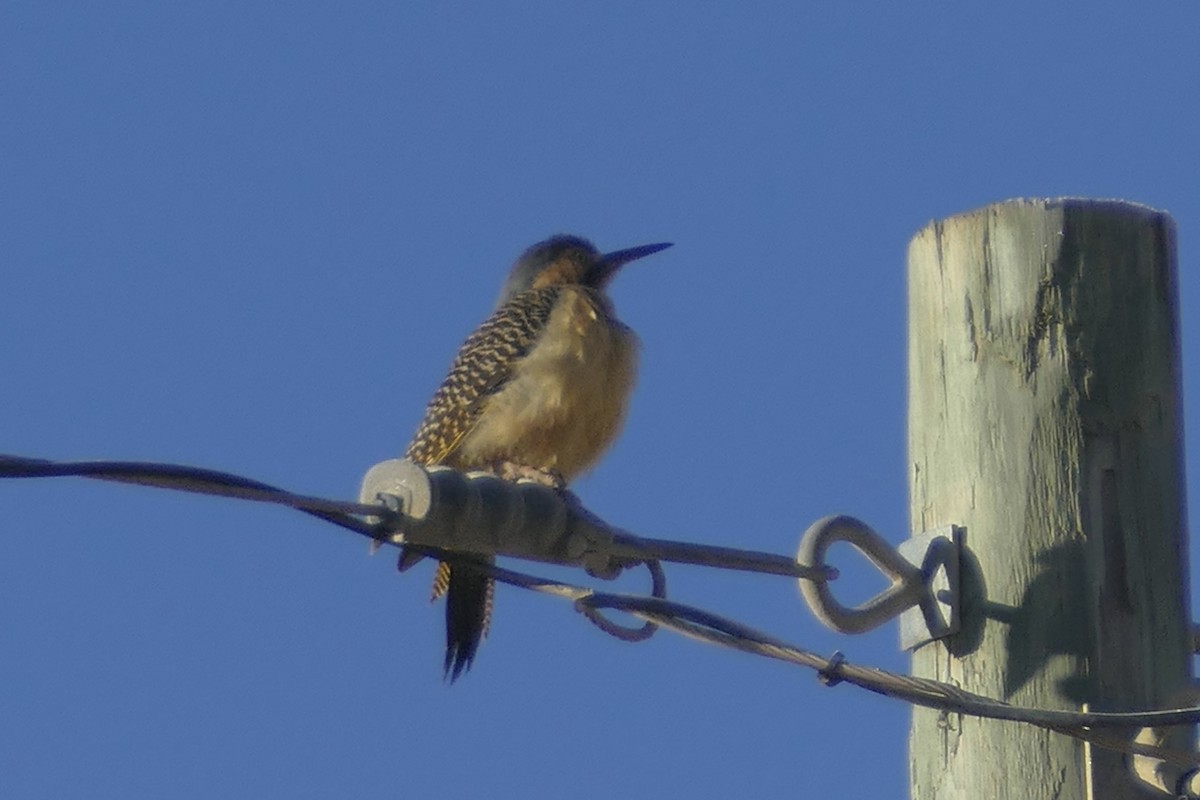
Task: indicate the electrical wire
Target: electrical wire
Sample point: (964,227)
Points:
(373,520)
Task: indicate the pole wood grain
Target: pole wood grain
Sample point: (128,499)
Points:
(1044,416)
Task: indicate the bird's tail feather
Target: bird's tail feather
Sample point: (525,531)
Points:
(468,613)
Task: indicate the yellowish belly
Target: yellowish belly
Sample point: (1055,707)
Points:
(566,402)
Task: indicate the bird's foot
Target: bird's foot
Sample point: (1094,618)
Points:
(512,471)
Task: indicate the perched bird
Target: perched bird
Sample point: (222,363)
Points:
(539,391)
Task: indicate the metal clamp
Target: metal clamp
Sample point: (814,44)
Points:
(923,574)
(475,512)
(479,513)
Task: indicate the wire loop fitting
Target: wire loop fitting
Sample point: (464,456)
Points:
(478,513)
(908,586)
(593,613)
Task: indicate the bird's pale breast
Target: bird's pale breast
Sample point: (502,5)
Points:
(566,401)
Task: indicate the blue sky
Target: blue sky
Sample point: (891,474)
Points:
(250,237)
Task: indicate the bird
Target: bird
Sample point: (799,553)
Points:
(538,391)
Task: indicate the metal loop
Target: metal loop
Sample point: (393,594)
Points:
(907,584)
(658,589)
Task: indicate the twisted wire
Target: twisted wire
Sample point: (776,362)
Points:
(655,610)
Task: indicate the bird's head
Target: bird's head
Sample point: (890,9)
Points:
(569,261)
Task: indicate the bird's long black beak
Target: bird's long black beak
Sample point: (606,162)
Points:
(604,269)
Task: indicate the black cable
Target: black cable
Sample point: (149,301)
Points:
(654,611)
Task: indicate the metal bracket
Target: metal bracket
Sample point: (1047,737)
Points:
(923,572)
(1159,775)
(938,613)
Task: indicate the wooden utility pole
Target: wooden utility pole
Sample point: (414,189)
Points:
(1044,416)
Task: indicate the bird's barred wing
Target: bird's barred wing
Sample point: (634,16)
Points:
(482,366)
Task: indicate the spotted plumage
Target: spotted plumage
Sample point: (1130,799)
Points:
(538,390)
(481,368)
